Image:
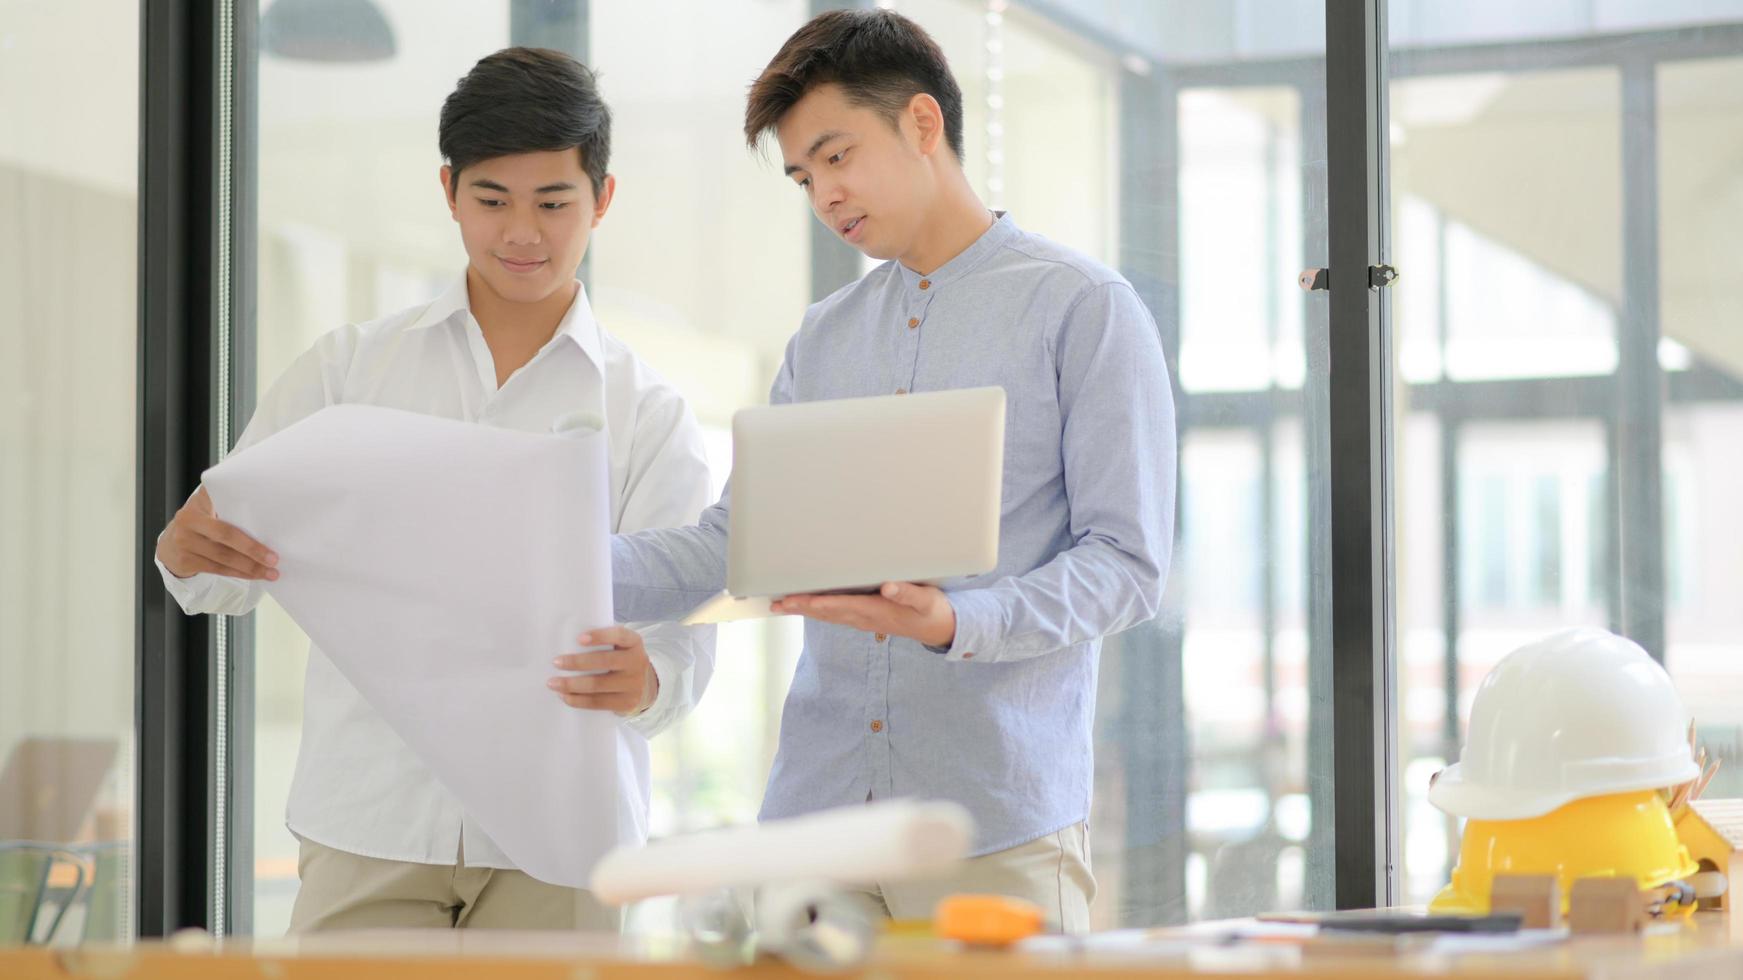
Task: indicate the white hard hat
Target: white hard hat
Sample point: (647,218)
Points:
(1581,713)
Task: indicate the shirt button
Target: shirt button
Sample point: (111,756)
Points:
(877,726)
(881,637)
(901,391)
(925,284)
(913,322)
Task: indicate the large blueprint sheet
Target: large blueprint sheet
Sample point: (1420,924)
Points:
(441,565)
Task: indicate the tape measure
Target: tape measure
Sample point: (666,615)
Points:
(987,920)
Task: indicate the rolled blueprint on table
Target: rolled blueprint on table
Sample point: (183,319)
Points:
(441,565)
(884,841)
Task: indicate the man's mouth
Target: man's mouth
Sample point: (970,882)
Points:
(849,229)
(520,265)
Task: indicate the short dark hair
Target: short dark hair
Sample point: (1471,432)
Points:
(880,59)
(523,100)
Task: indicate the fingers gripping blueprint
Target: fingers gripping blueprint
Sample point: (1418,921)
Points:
(441,565)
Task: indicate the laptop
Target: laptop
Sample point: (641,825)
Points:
(842,496)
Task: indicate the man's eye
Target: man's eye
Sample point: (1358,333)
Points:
(805,183)
(489,202)
(555,205)
(837,157)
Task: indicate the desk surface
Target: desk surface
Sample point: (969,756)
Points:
(1697,951)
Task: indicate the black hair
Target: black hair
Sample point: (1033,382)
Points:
(880,59)
(524,100)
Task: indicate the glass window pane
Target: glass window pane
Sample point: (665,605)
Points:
(1258,803)
(1206,801)
(1240,207)
(1700,228)
(668,275)
(672,278)
(1477,157)
(353,225)
(1202,804)
(68,431)
(1521,466)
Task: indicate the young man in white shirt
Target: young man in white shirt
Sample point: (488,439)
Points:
(512,343)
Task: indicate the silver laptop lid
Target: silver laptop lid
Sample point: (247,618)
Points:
(846,494)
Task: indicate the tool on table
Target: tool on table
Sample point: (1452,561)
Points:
(1393,921)
(719,927)
(1606,905)
(1395,924)
(805,912)
(987,920)
(815,926)
(1712,830)
(1678,797)
(1537,898)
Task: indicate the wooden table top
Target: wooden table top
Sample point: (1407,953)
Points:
(1699,950)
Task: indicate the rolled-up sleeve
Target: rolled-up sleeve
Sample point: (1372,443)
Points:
(1118,444)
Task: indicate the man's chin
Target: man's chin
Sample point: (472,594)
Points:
(874,251)
(523,290)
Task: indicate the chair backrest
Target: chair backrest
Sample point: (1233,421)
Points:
(49,783)
(23,877)
(109,870)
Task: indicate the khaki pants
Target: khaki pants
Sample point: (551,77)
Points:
(1053,872)
(341,890)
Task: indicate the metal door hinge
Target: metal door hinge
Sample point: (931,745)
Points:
(1317,279)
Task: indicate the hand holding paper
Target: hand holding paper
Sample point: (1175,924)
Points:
(440,565)
(619,679)
(197,541)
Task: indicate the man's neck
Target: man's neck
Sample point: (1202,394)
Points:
(516,324)
(956,223)
(514,332)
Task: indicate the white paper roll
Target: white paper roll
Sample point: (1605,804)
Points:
(883,841)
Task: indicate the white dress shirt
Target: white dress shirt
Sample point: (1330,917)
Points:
(357,786)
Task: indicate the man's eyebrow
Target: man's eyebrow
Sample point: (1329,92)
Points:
(556,188)
(816,144)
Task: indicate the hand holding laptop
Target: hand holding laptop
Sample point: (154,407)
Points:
(918,612)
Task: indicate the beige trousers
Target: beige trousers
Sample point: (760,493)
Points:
(1053,872)
(341,890)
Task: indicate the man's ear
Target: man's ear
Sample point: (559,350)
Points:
(927,117)
(447,175)
(607,189)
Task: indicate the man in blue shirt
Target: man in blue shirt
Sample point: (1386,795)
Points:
(983,693)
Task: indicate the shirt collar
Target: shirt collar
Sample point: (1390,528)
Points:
(577,323)
(1002,230)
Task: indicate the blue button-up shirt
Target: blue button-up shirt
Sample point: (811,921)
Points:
(1002,721)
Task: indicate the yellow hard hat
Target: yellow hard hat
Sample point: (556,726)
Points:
(1621,835)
